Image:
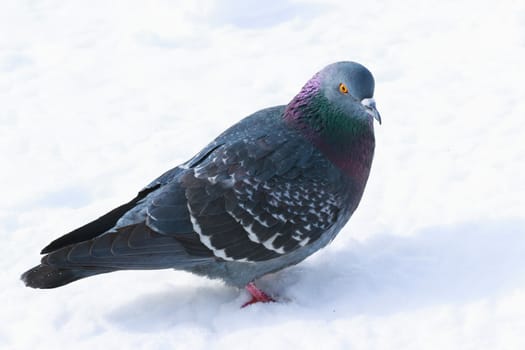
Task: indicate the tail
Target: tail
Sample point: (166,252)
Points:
(133,247)
(46,277)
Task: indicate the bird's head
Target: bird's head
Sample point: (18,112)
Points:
(349,87)
(342,92)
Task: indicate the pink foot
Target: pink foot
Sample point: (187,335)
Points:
(258,296)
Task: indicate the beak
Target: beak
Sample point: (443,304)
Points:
(370,105)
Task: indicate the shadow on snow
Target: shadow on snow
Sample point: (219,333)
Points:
(383,275)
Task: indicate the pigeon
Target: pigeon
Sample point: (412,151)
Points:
(265,194)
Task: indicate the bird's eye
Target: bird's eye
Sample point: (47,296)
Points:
(343,89)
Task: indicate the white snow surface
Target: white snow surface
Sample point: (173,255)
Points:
(100,97)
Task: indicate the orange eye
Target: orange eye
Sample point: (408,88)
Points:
(343,88)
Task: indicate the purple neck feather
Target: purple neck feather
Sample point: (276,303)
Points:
(351,150)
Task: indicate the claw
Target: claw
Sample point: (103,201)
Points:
(258,296)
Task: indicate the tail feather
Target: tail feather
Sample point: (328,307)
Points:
(46,277)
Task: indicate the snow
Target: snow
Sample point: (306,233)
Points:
(98,98)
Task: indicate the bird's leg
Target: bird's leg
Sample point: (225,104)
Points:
(258,296)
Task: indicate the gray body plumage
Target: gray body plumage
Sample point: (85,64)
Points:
(262,196)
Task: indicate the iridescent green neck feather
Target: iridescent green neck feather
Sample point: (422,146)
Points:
(346,140)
